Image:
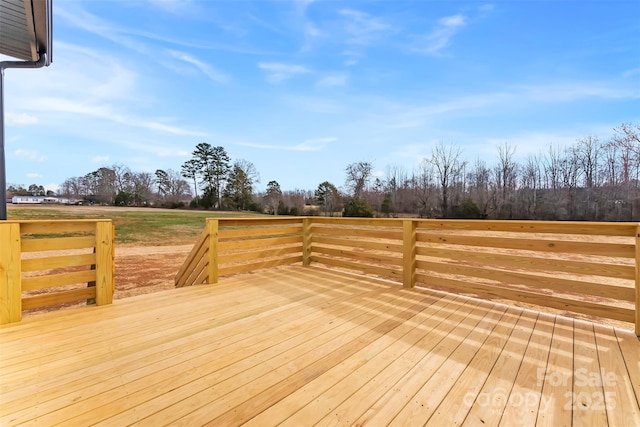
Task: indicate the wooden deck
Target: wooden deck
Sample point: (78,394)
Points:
(308,345)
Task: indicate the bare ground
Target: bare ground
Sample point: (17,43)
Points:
(146,269)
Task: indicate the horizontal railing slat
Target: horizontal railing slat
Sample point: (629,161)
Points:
(250,222)
(360,222)
(57,227)
(560,227)
(58,244)
(228,258)
(358,255)
(258,243)
(35,264)
(539,245)
(528,262)
(60,279)
(358,233)
(532,280)
(258,231)
(245,268)
(360,244)
(75,295)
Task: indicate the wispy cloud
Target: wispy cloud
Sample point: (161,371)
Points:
(279,72)
(95,25)
(315,144)
(632,72)
(352,57)
(106,112)
(20,119)
(29,154)
(172,6)
(333,80)
(33,175)
(212,73)
(440,37)
(362,28)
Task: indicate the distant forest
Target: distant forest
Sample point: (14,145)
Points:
(589,180)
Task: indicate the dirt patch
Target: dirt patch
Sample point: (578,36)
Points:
(146,269)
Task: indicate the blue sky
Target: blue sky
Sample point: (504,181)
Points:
(303,88)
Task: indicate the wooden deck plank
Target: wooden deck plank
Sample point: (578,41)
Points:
(326,392)
(557,378)
(265,383)
(353,405)
(620,402)
(303,345)
(145,360)
(494,397)
(527,387)
(453,408)
(587,398)
(450,357)
(628,343)
(194,342)
(249,349)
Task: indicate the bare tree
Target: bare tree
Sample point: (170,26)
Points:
(570,172)
(358,175)
(142,187)
(588,152)
(446,160)
(424,187)
(479,185)
(531,182)
(506,179)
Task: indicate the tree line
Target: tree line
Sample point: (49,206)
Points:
(588,180)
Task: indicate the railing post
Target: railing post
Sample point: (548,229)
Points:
(105,278)
(409,253)
(212,256)
(306,242)
(10,273)
(637,280)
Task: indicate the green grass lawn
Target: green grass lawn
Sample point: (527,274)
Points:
(142,227)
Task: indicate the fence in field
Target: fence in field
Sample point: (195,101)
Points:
(583,267)
(45,263)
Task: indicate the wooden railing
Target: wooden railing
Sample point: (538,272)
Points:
(47,263)
(583,267)
(231,246)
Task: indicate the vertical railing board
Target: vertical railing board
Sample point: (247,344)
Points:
(10,274)
(638,280)
(213,226)
(409,253)
(105,280)
(306,241)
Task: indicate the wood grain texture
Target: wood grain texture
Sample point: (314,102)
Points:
(58,243)
(298,344)
(60,279)
(10,275)
(105,263)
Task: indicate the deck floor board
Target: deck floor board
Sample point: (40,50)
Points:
(310,345)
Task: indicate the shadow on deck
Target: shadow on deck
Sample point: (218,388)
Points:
(306,345)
